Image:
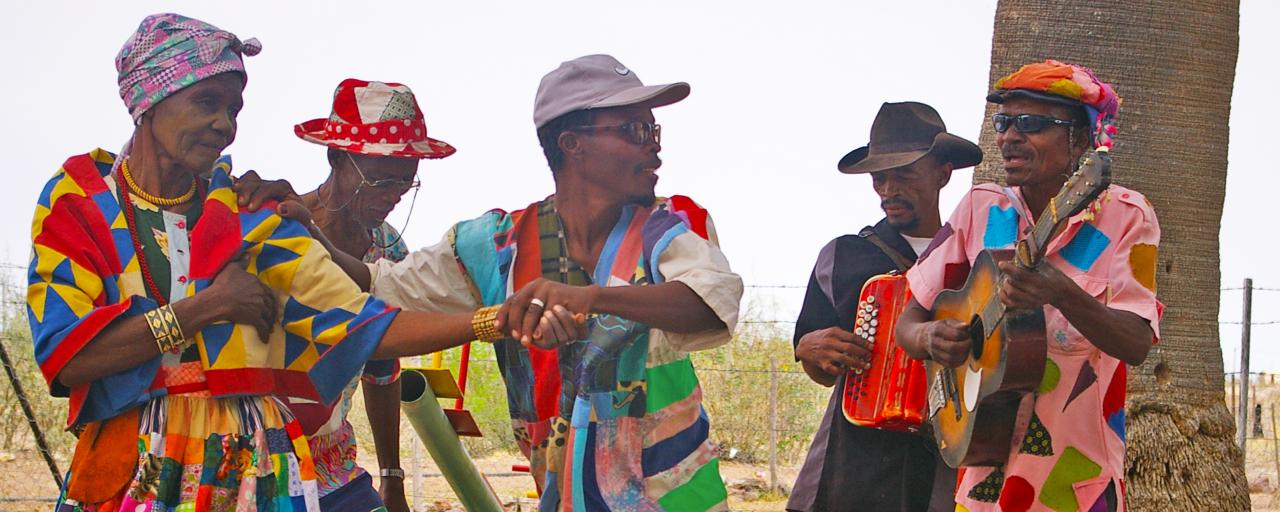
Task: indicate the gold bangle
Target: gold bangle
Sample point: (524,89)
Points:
(484,324)
(165,328)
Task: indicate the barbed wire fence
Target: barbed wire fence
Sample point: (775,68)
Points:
(738,380)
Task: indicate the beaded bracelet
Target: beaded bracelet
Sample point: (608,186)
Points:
(484,324)
(165,328)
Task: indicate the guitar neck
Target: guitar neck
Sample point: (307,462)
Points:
(1030,251)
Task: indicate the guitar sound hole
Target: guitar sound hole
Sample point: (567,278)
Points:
(976,336)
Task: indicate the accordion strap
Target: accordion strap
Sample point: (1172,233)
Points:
(901,261)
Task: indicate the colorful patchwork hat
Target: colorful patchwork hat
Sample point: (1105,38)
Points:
(374,118)
(1066,84)
(170,52)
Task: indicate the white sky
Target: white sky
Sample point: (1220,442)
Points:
(780,92)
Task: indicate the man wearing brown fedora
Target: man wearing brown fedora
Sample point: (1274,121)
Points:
(910,158)
(376,136)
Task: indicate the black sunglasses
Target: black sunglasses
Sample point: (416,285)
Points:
(638,132)
(1026,123)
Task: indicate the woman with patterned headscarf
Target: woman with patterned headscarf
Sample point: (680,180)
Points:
(173,319)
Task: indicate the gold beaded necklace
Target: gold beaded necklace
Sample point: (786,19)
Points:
(153,199)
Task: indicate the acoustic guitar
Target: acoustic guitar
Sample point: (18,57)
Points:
(972,407)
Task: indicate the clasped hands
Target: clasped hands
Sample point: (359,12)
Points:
(547,314)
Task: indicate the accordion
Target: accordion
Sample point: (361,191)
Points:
(891,394)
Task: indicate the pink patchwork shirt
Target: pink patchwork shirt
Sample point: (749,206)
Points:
(1072,457)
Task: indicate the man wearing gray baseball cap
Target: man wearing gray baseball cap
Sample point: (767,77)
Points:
(614,421)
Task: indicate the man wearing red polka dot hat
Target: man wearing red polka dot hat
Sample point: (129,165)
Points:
(376,136)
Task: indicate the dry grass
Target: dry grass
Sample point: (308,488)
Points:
(1262,467)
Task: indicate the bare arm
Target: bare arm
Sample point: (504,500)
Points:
(415,333)
(382,405)
(670,306)
(128,342)
(1120,334)
(944,341)
(350,265)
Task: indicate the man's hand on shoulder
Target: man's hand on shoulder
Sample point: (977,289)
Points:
(252,191)
(831,351)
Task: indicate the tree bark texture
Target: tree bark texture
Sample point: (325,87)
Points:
(1173,63)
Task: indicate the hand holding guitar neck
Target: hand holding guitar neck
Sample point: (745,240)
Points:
(1032,288)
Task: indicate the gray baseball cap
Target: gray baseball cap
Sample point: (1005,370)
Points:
(598,81)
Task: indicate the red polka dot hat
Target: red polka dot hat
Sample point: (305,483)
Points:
(374,118)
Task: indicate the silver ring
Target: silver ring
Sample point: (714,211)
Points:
(537,302)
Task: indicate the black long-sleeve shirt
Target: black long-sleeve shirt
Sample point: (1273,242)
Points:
(850,467)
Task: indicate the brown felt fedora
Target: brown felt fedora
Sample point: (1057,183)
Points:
(905,132)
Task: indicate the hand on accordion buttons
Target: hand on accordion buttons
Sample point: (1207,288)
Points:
(833,350)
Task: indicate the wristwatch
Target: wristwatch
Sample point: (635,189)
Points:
(392,472)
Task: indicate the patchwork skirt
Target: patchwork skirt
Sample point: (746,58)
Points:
(202,454)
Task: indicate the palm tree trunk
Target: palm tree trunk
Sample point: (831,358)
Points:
(1174,63)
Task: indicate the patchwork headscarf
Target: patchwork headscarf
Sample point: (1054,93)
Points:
(1066,84)
(170,52)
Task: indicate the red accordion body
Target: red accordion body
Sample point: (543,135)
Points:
(891,394)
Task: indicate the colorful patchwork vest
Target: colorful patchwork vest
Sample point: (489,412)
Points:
(613,421)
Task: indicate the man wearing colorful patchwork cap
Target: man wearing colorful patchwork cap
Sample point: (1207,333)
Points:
(375,135)
(614,421)
(1096,287)
(909,159)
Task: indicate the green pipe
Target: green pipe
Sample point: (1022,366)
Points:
(428,419)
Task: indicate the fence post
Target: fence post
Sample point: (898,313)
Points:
(1242,407)
(773,423)
(1275,443)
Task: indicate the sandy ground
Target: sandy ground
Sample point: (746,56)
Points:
(26,484)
